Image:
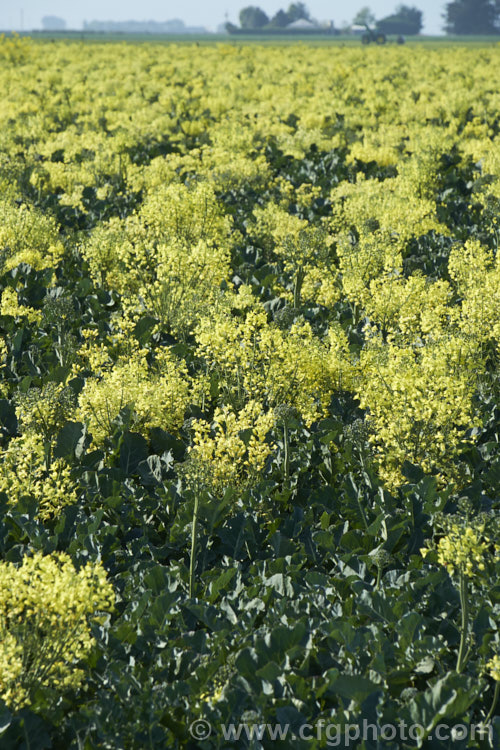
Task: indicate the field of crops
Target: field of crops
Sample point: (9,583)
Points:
(249,407)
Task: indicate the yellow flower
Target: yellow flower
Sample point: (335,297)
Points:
(419,401)
(23,472)
(493,667)
(157,396)
(46,607)
(234,449)
(463,549)
(9,305)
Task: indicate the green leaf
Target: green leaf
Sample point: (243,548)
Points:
(408,628)
(133,450)
(425,665)
(5,719)
(412,472)
(270,672)
(246,661)
(354,687)
(71,441)
(8,418)
(143,329)
(220,583)
(282,639)
(449,698)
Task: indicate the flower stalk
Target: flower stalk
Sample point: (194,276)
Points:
(194,531)
(463,654)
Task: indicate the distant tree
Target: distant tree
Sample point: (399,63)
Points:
(472,17)
(253,18)
(405,20)
(364,17)
(296,11)
(279,21)
(53,23)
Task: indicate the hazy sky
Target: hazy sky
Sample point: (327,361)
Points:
(27,14)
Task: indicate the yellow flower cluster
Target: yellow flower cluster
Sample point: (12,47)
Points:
(305,254)
(157,396)
(23,472)
(9,305)
(28,236)
(463,549)
(493,667)
(233,449)
(42,411)
(14,48)
(256,360)
(419,402)
(46,606)
(171,257)
(476,273)
(410,308)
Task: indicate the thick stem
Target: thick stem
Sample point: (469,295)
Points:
(48,455)
(192,561)
(286,470)
(464,629)
(363,516)
(494,704)
(355,314)
(297,287)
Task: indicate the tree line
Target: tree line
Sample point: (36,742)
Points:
(460,17)
(472,17)
(405,20)
(253,18)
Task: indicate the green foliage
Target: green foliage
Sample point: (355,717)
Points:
(364,17)
(406,20)
(252,17)
(296,11)
(472,17)
(279,20)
